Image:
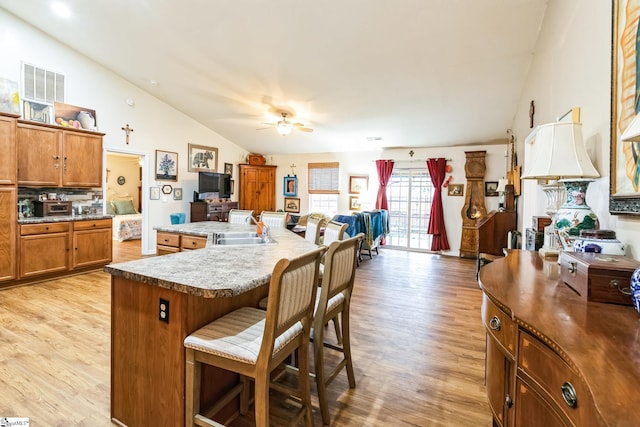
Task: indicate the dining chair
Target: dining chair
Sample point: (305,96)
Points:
(239,216)
(334,231)
(333,300)
(312,233)
(253,342)
(274,219)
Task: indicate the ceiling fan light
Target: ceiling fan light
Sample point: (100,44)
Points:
(284,128)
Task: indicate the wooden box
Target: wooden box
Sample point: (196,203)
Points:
(598,277)
(256,159)
(540,222)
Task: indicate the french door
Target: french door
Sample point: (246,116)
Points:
(409,194)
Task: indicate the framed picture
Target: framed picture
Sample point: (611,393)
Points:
(177,194)
(292,204)
(624,181)
(290,186)
(154,193)
(167,189)
(456,189)
(37,112)
(166,165)
(232,184)
(228,169)
(491,189)
(354,203)
(9,96)
(203,158)
(75,117)
(358,184)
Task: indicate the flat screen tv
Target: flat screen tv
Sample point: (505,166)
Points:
(213,182)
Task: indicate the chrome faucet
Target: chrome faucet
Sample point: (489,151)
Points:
(264,228)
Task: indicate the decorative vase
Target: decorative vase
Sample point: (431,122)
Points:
(575,214)
(635,289)
(598,241)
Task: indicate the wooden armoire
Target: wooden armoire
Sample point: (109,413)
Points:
(257,188)
(473,209)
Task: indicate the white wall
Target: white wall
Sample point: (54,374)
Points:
(155,124)
(571,67)
(363,163)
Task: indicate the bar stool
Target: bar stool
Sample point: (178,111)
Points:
(252,343)
(239,216)
(334,300)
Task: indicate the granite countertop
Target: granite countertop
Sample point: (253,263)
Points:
(61,218)
(214,271)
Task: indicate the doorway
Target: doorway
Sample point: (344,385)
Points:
(125,177)
(409,194)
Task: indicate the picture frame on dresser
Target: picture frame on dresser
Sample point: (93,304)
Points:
(624,183)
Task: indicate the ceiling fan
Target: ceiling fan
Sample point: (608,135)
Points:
(284,126)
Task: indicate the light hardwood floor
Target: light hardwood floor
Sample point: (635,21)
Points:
(417,337)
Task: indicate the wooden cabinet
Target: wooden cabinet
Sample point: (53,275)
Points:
(44,248)
(552,358)
(473,208)
(92,240)
(8,201)
(257,188)
(8,197)
(215,211)
(52,157)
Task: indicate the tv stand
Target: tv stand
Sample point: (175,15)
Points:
(214,211)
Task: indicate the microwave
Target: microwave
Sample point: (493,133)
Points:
(52,207)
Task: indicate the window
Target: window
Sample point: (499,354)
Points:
(324,203)
(324,187)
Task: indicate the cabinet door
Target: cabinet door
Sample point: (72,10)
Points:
(499,378)
(44,253)
(8,164)
(91,247)
(8,233)
(266,193)
(249,188)
(81,159)
(39,159)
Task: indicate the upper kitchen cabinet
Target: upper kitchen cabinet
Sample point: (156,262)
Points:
(8,149)
(49,156)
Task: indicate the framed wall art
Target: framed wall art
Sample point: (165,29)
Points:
(292,204)
(37,112)
(231,184)
(203,158)
(166,165)
(358,184)
(491,189)
(228,169)
(177,194)
(455,190)
(154,193)
(354,203)
(624,179)
(290,186)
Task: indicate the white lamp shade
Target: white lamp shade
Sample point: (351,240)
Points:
(632,133)
(558,151)
(502,185)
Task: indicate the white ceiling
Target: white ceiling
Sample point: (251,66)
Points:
(415,73)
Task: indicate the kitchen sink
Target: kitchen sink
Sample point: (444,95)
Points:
(247,240)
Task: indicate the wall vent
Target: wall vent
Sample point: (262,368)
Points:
(42,85)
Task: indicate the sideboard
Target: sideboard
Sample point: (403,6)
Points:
(553,359)
(214,211)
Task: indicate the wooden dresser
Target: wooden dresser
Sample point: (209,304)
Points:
(553,359)
(214,211)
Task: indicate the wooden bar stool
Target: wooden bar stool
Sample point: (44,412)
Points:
(253,343)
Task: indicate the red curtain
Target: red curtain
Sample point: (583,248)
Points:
(436,169)
(384,168)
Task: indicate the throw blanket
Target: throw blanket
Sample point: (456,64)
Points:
(347,219)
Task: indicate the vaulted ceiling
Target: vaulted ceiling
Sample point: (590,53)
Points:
(363,74)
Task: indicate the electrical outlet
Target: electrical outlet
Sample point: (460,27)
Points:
(163,310)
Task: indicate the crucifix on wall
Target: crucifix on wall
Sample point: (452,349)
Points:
(127,130)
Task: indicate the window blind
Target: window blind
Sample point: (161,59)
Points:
(324,178)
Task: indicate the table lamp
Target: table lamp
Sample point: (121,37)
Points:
(501,189)
(558,154)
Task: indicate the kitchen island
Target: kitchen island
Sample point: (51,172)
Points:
(156,302)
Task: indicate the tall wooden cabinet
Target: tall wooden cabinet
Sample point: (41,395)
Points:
(49,156)
(257,188)
(8,197)
(473,208)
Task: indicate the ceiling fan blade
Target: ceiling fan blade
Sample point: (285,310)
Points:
(303,129)
(268,127)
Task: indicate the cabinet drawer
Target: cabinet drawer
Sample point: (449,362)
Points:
(48,227)
(90,225)
(191,242)
(499,325)
(553,376)
(164,250)
(168,239)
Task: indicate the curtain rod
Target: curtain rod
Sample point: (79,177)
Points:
(413,160)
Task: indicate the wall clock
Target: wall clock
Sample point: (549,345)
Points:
(121,180)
